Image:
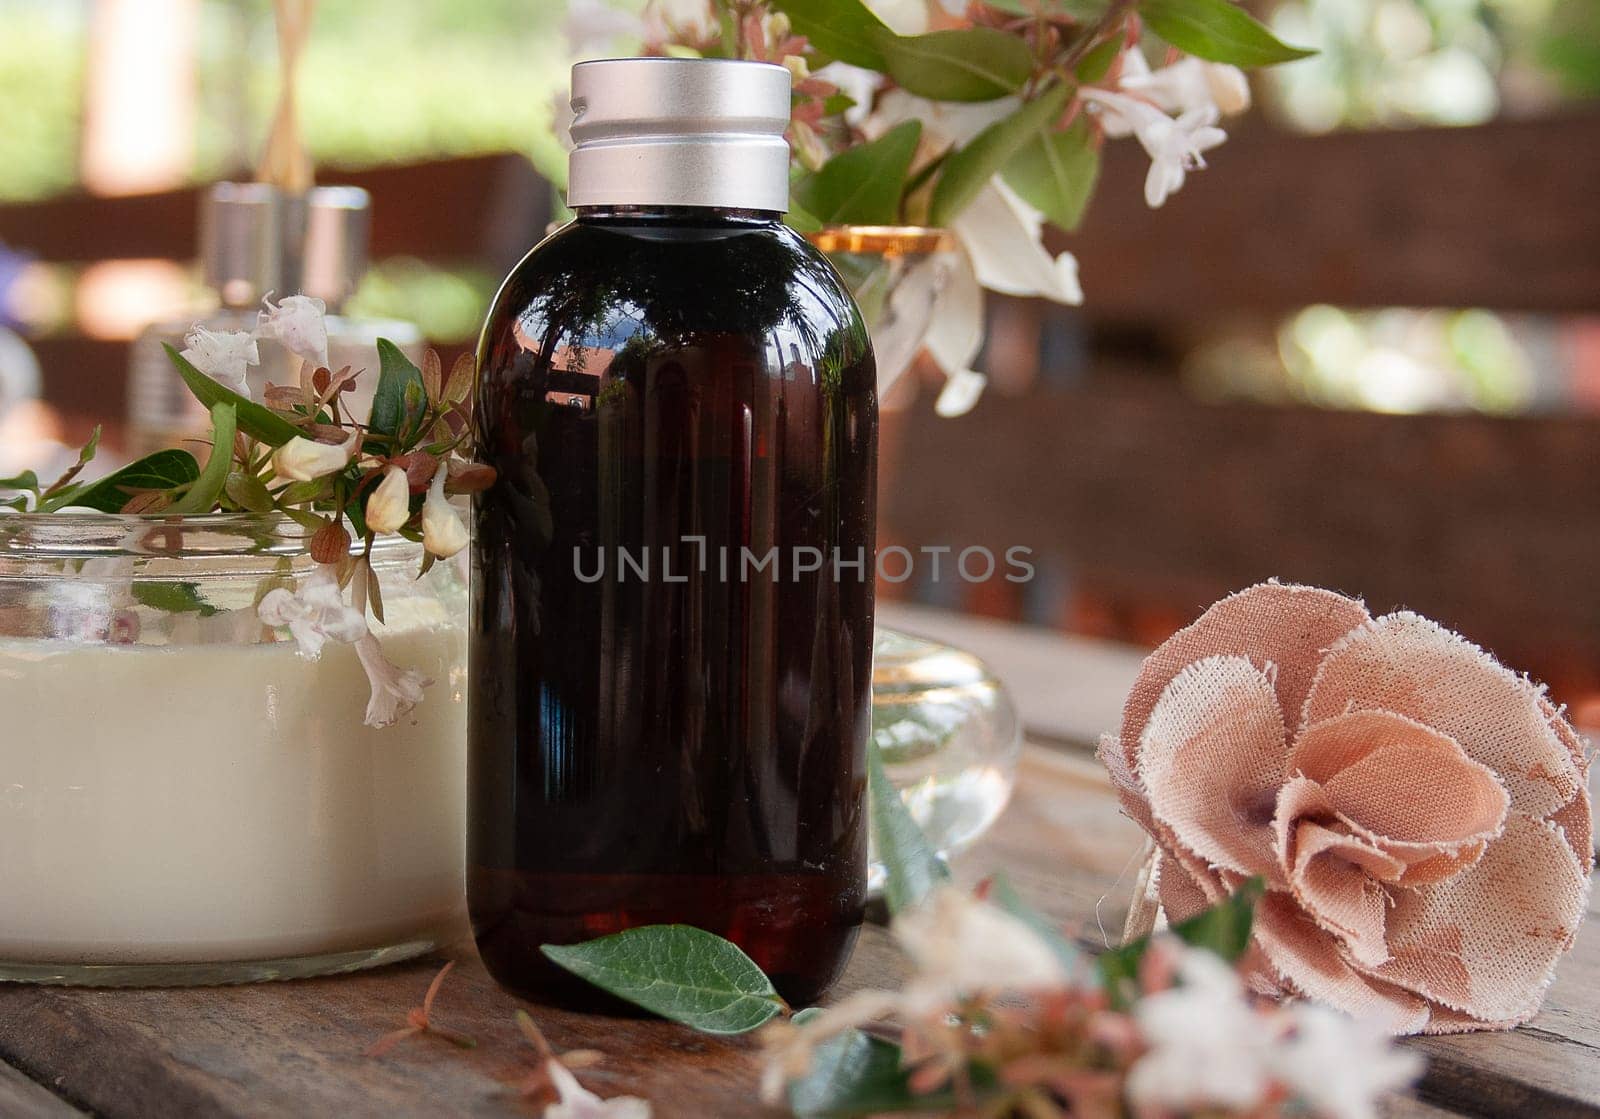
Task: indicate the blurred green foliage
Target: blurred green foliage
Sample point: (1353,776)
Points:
(382,82)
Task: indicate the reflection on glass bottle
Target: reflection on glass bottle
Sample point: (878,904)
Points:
(672,622)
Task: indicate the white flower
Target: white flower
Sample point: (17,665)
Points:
(389,506)
(298,323)
(316,613)
(688,19)
(944,123)
(855,82)
(595,27)
(1367,1064)
(302,459)
(1004,236)
(1186,85)
(962,946)
(1208,1047)
(222,355)
(395,691)
(904,17)
(1174,146)
(577,1102)
(443,534)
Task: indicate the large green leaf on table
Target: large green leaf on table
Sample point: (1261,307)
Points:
(681,973)
(844,30)
(261,424)
(968,170)
(1223,929)
(203,494)
(1217,30)
(862,185)
(977,64)
(399,399)
(163,470)
(1055,172)
(912,868)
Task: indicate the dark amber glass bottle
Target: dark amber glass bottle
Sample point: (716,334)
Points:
(672,595)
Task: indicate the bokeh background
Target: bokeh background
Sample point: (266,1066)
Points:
(1362,349)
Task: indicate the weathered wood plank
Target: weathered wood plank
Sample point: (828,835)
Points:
(296,1048)
(1145,495)
(1358,218)
(21,1098)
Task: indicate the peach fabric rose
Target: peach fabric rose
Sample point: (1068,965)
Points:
(1419,813)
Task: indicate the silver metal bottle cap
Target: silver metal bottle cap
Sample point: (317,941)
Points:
(256,238)
(680,132)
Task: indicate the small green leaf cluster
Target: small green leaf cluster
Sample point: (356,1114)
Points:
(1035,54)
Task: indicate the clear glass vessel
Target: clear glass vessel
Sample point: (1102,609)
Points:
(949,734)
(184,798)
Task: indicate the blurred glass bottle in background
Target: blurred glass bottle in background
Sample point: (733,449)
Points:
(258,240)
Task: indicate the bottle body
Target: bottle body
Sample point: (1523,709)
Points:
(672,597)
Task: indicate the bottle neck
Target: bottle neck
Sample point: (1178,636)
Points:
(682,215)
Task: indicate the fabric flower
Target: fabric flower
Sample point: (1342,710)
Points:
(577,1102)
(222,355)
(304,460)
(395,691)
(443,534)
(1419,813)
(389,505)
(299,325)
(316,613)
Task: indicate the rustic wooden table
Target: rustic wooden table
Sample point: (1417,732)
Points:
(296,1049)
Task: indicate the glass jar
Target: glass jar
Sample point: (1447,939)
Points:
(184,798)
(949,735)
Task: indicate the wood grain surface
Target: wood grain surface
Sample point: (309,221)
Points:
(296,1049)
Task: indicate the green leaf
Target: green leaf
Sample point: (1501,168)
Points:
(397,401)
(1003,894)
(261,424)
(800,219)
(1081,10)
(977,64)
(845,30)
(27,480)
(1218,31)
(681,973)
(1055,172)
(248,492)
(85,457)
(911,866)
(163,470)
(854,1074)
(173,598)
(968,170)
(1223,929)
(202,496)
(1097,63)
(862,185)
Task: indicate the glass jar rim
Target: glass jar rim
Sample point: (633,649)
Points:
(91,535)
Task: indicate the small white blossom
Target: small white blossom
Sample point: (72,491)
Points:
(962,946)
(596,27)
(298,323)
(316,613)
(1186,85)
(389,506)
(223,355)
(1208,1047)
(395,691)
(1004,236)
(303,460)
(443,534)
(577,1102)
(1339,1066)
(1175,146)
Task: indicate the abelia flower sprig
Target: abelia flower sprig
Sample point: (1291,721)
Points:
(299,452)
